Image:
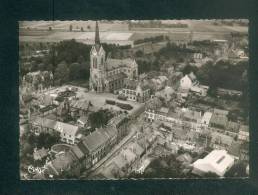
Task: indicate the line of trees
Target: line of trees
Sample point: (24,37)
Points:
(68,60)
(152,39)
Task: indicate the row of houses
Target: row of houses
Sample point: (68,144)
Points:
(90,149)
(215,120)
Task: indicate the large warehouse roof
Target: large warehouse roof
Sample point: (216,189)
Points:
(218,161)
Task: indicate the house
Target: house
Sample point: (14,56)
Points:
(120,123)
(69,133)
(82,121)
(49,109)
(229,92)
(234,149)
(243,133)
(244,152)
(95,146)
(159,82)
(135,91)
(167,93)
(174,78)
(232,128)
(218,161)
(81,107)
(186,82)
(43,125)
(220,141)
(200,90)
(141,168)
(197,56)
(136,149)
(192,120)
(125,159)
(219,119)
(206,119)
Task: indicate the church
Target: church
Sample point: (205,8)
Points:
(109,74)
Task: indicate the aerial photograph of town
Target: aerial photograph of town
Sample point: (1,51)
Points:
(133,99)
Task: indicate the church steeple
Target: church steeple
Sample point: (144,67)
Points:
(97,40)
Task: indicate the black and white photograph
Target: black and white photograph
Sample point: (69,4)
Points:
(133,99)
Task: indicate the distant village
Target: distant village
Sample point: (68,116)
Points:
(127,122)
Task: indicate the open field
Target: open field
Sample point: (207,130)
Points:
(119,33)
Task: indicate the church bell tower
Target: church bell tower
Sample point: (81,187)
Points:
(97,64)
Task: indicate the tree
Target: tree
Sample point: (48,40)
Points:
(100,118)
(139,53)
(61,73)
(47,140)
(237,170)
(71,28)
(188,69)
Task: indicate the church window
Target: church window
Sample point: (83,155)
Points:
(102,60)
(94,62)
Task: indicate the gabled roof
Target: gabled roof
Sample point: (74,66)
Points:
(164,110)
(233,126)
(83,119)
(207,117)
(77,151)
(234,149)
(117,63)
(220,120)
(45,122)
(110,130)
(67,128)
(244,128)
(117,76)
(118,120)
(219,138)
(80,104)
(192,115)
(130,84)
(94,140)
(135,148)
(220,112)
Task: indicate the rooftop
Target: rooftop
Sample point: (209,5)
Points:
(206,117)
(117,63)
(219,120)
(233,126)
(220,112)
(217,161)
(95,140)
(244,128)
(80,104)
(219,138)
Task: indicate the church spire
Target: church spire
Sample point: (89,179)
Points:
(97,40)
